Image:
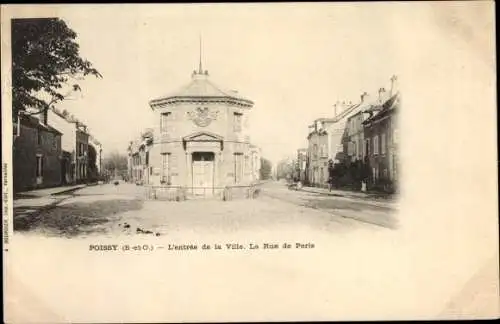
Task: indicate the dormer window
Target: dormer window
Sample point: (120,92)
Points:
(237,121)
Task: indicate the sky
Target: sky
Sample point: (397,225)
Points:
(294,61)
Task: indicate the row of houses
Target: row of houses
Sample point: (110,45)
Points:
(358,144)
(52,148)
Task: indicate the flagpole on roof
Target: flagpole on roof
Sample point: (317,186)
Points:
(200,70)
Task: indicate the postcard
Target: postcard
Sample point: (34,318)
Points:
(249,162)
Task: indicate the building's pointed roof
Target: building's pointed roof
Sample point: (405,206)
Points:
(202,88)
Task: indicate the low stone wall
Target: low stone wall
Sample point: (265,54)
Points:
(166,193)
(178,193)
(240,192)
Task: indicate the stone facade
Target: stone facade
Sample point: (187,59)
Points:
(82,147)
(200,140)
(318,154)
(75,140)
(36,155)
(68,143)
(333,139)
(301,165)
(380,132)
(326,142)
(360,142)
(98,150)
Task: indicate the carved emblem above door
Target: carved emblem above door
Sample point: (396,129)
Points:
(202,116)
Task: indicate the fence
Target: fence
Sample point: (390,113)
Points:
(181,193)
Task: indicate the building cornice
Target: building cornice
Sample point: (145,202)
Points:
(160,103)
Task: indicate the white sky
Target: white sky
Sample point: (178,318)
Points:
(293,61)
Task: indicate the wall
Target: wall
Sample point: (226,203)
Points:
(180,124)
(81,156)
(68,130)
(354,141)
(25,150)
(318,162)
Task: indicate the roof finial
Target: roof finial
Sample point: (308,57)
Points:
(200,70)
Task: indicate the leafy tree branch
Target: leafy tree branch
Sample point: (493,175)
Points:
(45,56)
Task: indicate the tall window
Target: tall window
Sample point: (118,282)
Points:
(164,121)
(382,144)
(350,149)
(237,121)
(315,151)
(324,152)
(367,146)
(54,141)
(39,166)
(238,167)
(38,137)
(80,149)
(375,144)
(165,166)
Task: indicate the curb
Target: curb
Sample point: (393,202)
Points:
(68,190)
(347,194)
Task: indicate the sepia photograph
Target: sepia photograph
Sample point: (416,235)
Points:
(248,162)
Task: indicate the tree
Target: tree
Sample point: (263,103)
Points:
(92,160)
(115,162)
(45,56)
(285,168)
(265,169)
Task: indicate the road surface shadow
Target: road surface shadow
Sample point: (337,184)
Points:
(77,218)
(376,215)
(25,196)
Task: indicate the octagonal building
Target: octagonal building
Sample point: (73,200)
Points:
(200,140)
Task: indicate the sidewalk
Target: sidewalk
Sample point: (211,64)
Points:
(28,204)
(46,192)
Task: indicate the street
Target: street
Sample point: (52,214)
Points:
(122,210)
(68,244)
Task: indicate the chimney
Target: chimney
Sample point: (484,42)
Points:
(335,109)
(380,92)
(394,80)
(363,96)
